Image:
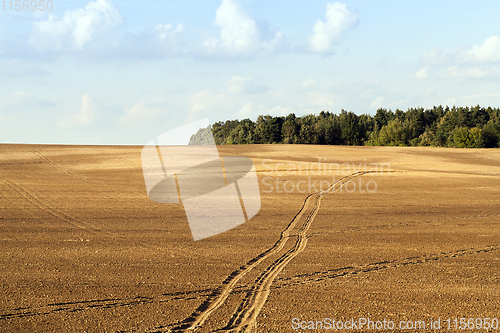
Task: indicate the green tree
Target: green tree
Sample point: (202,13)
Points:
(373,135)
(243,133)
(365,126)
(334,131)
(289,130)
(491,134)
(479,116)
(440,126)
(261,128)
(426,138)
(349,127)
(307,133)
(415,122)
(468,137)
(222,130)
(393,134)
(382,117)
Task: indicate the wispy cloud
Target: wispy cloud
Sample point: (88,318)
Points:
(21,102)
(377,103)
(139,113)
(165,40)
(487,52)
(423,73)
(476,61)
(456,71)
(309,83)
(472,72)
(244,85)
(81,118)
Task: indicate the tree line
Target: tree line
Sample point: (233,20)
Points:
(462,127)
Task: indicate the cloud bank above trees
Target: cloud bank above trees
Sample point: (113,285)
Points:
(96,29)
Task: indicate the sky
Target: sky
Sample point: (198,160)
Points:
(124,72)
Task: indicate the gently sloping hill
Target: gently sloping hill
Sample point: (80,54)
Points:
(148,275)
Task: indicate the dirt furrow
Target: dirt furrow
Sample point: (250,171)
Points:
(316,277)
(254,302)
(101,303)
(56,165)
(118,157)
(204,311)
(215,301)
(344,271)
(30,197)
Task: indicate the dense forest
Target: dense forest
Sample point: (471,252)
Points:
(462,127)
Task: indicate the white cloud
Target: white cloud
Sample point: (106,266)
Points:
(244,85)
(321,100)
(83,117)
(377,103)
(281,110)
(140,112)
(471,72)
(240,35)
(484,99)
(76,28)
(205,101)
(477,61)
(339,20)
(220,106)
(456,71)
(423,73)
(21,94)
(436,56)
(480,96)
(165,40)
(431,92)
(246,111)
(488,52)
(166,31)
(399,103)
(308,83)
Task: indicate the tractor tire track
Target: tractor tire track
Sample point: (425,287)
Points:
(56,165)
(257,297)
(119,157)
(31,198)
(352,270)
(85,178)
(407,224)
(217,299)
(316,277)
(71,220)
(78,306)
(258,291)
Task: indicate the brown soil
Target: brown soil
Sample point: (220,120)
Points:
(83,248)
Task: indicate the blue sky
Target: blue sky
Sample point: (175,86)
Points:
(123,72)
